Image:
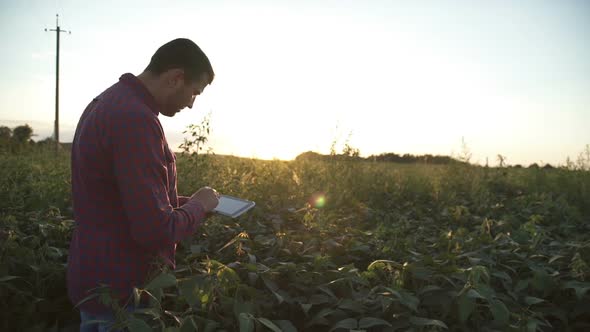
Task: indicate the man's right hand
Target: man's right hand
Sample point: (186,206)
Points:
(208,197)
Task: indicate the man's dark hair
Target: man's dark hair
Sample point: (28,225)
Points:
(183,54)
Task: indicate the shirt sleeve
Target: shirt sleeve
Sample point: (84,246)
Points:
(141,174)
(182,200)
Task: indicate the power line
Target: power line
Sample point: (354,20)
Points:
(57,30)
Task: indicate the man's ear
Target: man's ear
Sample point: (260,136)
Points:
(174,77)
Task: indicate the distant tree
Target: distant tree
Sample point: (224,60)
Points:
(534,165)
(548,166)
(22,134)
(46,141)
(5,133)
(408,158)
(310,155)
(5,136)
(391,157)
(444,160)
(350,151)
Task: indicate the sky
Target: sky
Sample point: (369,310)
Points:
(418,77)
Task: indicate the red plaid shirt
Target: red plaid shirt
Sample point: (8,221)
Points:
(126,207)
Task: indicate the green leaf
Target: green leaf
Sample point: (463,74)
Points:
(196,249)
(429,288)
(272,286)
(320,299)
(6,278)
(246,322)
(188,291)
(366,322)
(409,300)
(531,325)
(521,285)
(163,280)
(286,326)
(376,263)
(319,318)
(385,303)
(157,295)
(212,326)
(252,259)
(485,291)
(392,292)
(348,323)
(501,275)
(421,321)
(327,291)
(531,300)
(479,274)
(306,307)
(269,324)
(325,312)
(421,273)
(155,313)
(87,298)
(580,287)
(542,281)
(189,325)
(279,297)
(348,304)
(138,325)
(472,293)
(466,306)
(554,258)
(499,311)
(242,307)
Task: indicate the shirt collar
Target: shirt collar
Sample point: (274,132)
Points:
(141,91)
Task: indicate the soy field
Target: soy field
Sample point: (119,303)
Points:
(332,245)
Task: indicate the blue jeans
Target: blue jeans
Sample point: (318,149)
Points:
(108,320)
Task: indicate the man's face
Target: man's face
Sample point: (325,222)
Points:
(182,93)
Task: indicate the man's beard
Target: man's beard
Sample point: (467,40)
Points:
(173,104)
(170,108)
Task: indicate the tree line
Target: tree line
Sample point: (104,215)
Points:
(389,157)
(411,159)
(20,138)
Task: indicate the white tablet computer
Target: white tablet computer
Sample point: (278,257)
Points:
(232,206)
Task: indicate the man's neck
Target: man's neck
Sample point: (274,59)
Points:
(151,83)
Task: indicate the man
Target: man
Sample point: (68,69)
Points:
(126,207)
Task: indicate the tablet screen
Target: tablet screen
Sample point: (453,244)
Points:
(232,206)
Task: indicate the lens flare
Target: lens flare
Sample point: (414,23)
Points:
(318,200)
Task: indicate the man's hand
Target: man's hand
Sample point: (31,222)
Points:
(208,197)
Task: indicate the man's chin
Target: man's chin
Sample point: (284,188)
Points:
(169,113)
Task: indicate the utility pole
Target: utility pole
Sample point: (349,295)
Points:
(56,128)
